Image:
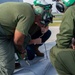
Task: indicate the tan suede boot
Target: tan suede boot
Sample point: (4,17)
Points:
(37,52)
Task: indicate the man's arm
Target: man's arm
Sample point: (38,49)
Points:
(18,40)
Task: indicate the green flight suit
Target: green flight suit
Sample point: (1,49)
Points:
(62,56)
(13,15)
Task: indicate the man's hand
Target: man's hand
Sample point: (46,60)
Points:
(23,55)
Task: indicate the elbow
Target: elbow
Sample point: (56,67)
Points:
(18,38)
(16,42)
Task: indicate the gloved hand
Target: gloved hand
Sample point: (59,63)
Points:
(21,54)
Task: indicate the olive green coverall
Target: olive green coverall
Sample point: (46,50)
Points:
(62,56)
(13,15)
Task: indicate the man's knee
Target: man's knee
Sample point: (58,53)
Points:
(61,60)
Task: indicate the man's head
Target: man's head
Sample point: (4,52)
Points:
(43,14)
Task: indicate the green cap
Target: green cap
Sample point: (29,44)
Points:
(68,2)
(45,6)
(36,2)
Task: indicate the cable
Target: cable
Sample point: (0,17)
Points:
(45,51)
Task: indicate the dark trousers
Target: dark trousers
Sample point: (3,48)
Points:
(30,48)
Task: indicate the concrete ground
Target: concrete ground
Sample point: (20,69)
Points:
(54,30)
(40,65)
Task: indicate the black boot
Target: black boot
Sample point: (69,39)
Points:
(17,65)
